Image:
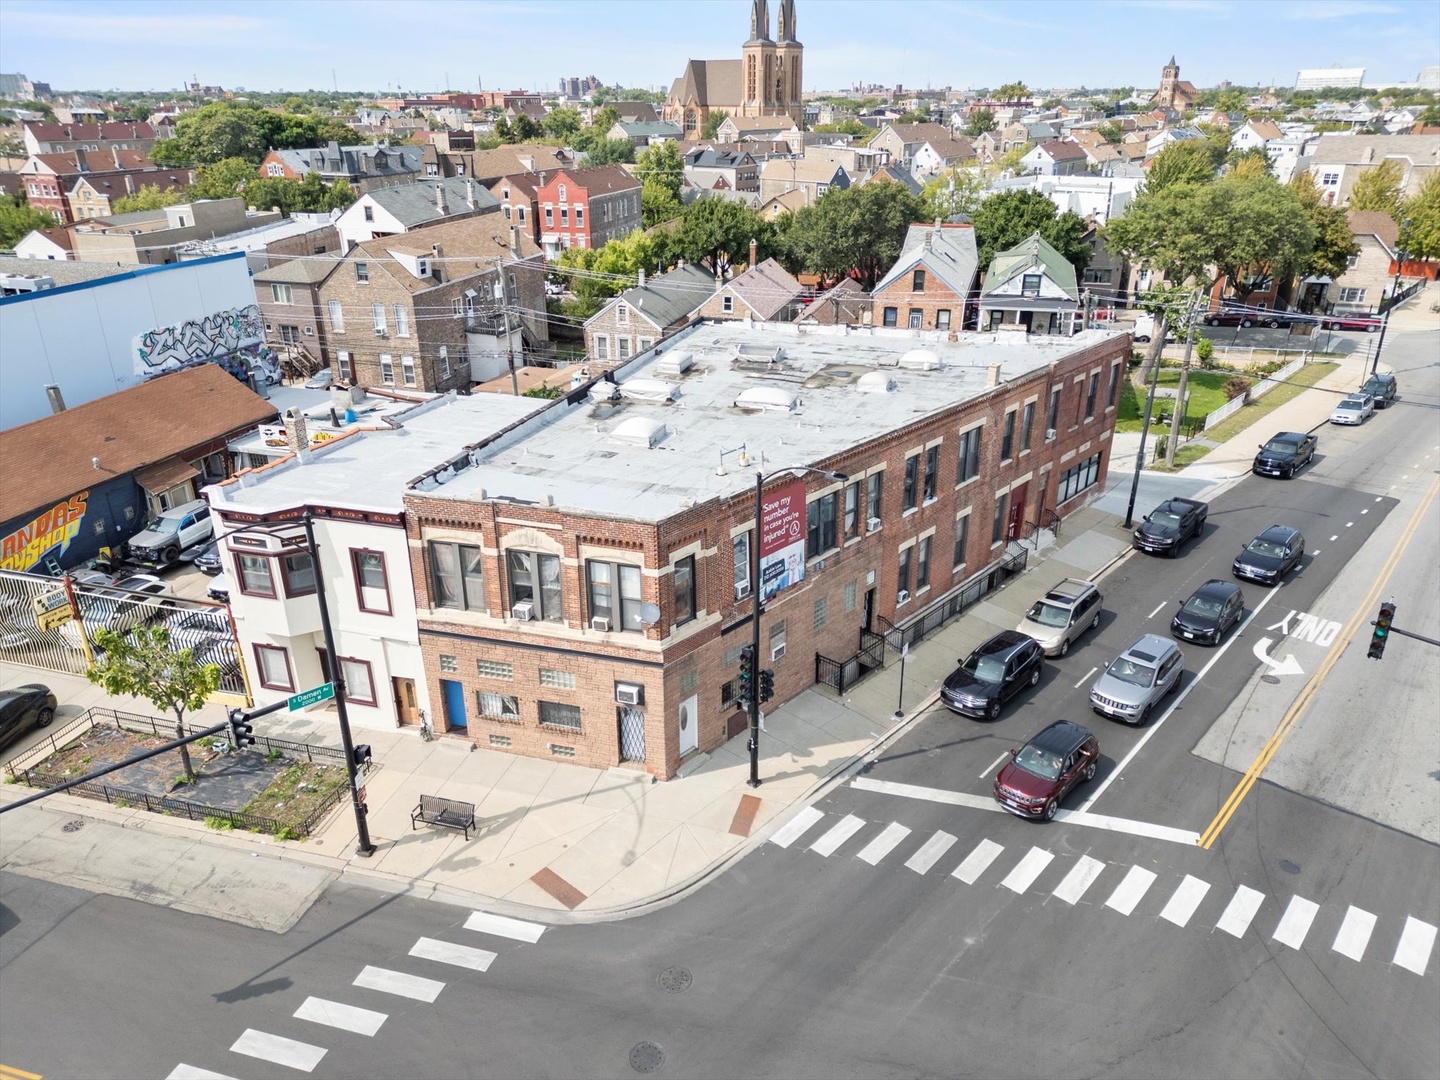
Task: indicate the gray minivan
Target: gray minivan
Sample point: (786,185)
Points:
(1131,685)
(1066,611)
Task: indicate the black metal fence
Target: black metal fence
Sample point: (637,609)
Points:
(843,674)
(103,718)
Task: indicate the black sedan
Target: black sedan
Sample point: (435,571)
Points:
(992,674)
(1270,556)
(23,708)
(1212,609)
(1285,454)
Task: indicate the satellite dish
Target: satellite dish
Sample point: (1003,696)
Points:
(649,614)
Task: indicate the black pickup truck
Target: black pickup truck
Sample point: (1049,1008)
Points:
(1169,525)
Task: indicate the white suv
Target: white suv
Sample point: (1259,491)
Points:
(172,532)
(1065,612)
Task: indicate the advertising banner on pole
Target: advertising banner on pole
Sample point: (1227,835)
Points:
(782,538)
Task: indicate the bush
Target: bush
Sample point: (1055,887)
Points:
(1236,386)
(1161,444)
(1204,349)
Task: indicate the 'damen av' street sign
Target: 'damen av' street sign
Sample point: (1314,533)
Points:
(306,698)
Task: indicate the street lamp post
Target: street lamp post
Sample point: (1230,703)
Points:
(1394,291)
(752,704)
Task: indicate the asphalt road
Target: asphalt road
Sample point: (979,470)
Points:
(941,937)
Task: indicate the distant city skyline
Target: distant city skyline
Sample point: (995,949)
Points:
(306,44)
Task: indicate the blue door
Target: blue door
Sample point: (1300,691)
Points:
(454,705)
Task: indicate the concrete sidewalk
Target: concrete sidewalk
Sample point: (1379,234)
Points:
(560,841)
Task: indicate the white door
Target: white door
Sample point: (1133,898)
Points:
(689,725)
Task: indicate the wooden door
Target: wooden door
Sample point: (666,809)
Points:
(407,709)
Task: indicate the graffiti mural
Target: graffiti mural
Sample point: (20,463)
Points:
(221,336)
(48,534)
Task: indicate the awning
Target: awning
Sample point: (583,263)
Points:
(164,475)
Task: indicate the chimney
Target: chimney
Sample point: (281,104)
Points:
(296,438)
(437,258)
(992,377)
(641,282)
(754,252)
(115,154)
(515,241)
(57,400)
(470,192)
(80,163)
(440,198)
(129,184)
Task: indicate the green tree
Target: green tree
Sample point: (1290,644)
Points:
(596,274)
(662,163)
(144,665)
(1334,242)
(611,152)
(847,125)
(1012,91)
(914,116)
(1185,162)
(981,121)
(718,231)
(1429,118)
(658,202)
(1422,237)
(1111,132)
(711,127)
(223,179)
(1009,163)
(859,229)
(17,220)
(149,197)
(563,124)
(1005,219)
(1257,229)
(219,130)
(1252,162)
(954,191)
(1379,189)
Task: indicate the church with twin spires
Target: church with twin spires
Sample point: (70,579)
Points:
(765,81)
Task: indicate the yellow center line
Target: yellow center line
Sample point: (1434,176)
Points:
(1306,695)
(9,1072)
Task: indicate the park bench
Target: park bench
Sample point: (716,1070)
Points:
(448,813)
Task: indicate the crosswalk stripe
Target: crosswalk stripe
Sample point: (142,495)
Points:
(1130,891)
(1235,920)
(883,844)
(459,955)
(1354,933)
(1295,923)
(977,862)
(837,834)
(1081,876)
(1184,900)
(931,852)
(191,1072)
(1027,870)
(503,926)
(339,1015)
(1416,941)
(278,1049)
(796,827)
(399,983)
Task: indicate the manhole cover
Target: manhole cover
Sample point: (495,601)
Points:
(1273,680)
(72,826)
(1289,867)
(646,1057)
(676,980)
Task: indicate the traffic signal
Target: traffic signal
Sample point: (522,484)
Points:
(767,685)
(241,730)
(1382,630)
(747,673)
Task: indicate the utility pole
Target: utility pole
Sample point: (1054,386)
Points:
(1394,291)
(1180,394)
(505,315)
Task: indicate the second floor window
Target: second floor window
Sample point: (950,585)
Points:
(932,470)
(337,316)
(969,463)
(1007,437)
(684,575)
(614,594)
(1027,426)
(457,576)
(851,521)
(1090,396)
(917,281)
(740,549)
(820,525)
(402,321)
(362,272)
(372,588)
(535,580)
(377,315)
(874,486)
(1054,417)
(282,294)
(407,370)
(912,478)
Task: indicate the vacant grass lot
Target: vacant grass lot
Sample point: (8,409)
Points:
(1206,390)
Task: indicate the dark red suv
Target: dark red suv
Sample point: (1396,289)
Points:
(1041,773)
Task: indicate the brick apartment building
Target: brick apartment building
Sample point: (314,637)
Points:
(537,554)
(586,207)
(418,310)
(931,285)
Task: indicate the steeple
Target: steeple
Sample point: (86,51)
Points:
(759,20)
(785,28)
(1172,62)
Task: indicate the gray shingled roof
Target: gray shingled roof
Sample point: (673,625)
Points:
(948,252)
(416,204)
(669,298)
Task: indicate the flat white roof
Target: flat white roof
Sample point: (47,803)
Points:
(368,470)
(570,458)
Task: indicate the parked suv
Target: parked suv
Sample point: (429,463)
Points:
(1381,388)
(1062,615)
(1129,688)
(992,674)
(172,532)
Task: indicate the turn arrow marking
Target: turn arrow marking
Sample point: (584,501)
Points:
(1288,666)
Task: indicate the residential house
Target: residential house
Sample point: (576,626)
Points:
(93,195)
(930,285)
(363,167)
(902,142)
(352,484)
(44,138)
(530,108)
(518,202)
(1255,133)
(582,612)
(895,175)
(812,178)
(586,208)
(49,178)
(487,166)
(1055,158)
(855,159)
(154,237)
(1337,161)
(730,170)
(642,112)
(1031,287)
(1107,275)
(643,133)
(1098,197)
(288,295)
(414,204)
(785,203)
(431,310)
(845,304)
(46,244)
(934,156)
(765,292)
(1370,273)
(1161,139)
(651,311)
(736,129)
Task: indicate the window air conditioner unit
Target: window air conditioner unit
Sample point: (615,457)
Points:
(1050,434)
(523,611)
(742,591)
(629,693)
(872,524)
(379,331)
(601,623)
(902,596)
(777,651)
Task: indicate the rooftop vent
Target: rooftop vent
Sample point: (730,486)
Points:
(767,399)
(920,360)
(604,390)
(875,382)
(643,431)
(647,390)
(675,362)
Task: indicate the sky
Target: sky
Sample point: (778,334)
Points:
(420,45)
